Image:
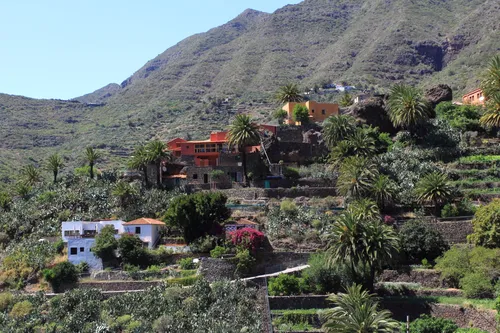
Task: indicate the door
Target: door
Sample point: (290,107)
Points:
(205,178)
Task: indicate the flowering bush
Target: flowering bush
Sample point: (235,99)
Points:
(247,237)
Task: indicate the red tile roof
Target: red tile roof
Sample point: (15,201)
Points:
(143,221)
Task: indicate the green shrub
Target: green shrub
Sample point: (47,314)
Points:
(301,114)
(62,273)
(477,285)
(203,244)
(420,241)
(5,300)
(218,252)
(291,173)
(154,269)
(21,309)
(284,285)
(462,208)
(486,224)
(82,267)
(427,324)
(132,250)
(244,261)
(59,246)
(288,206)
(322,278)
(183,281)
(131,268)
(187,263)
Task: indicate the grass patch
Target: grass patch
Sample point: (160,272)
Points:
(183,281)
(296,311)
(488,304)
(479,159)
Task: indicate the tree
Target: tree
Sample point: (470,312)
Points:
(132,251)
(346,100)
(407,107)
(55,164)
(280,115)
(491,79)
(197,215)
(356,177)
(30,175)
(364,243)
(491,118)
(92,156)
(434,187)
(357,312)
(105,244)
(243,133)
(62,273)
(338,128)
(420,241)
(383,190)
(124,192)
(301,114)
(157,151)
(288,93)
(140,160)
(361,143)
(486,224)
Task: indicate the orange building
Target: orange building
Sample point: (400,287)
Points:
(318,112)
(207,152)
(475,97)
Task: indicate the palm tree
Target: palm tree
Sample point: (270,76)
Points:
(356,177)
(346,100)
(54,164)
(362,144)
(357,312)
(140,160)
(92,156)
(338,128)
(434,187)
(359,242)
(491,80)
(30,175)
(124,192)
(491,118)
(365,209)
(289,93)
(157,151)
(243,133)
(407,107)
(383,190)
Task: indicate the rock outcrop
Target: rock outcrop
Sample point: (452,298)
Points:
(439,93)
(373,111)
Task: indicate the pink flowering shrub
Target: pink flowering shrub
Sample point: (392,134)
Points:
(247,237)
(389,220)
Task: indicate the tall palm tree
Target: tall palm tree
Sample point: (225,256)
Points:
(92,156)
(289,93)
(357,312)
(338,128)
(54,164)
(157,151)
(383,190)
(491,80)
(491,118)
(362,144)
(140,160)
(434,187)
(407,107)
(356,177)
(243,133)
(30,175)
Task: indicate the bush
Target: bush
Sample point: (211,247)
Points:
(21,309)
(105,244)
(321,278)
(5,300)
(187,263)
(183,281)
(462,208)
(218,252)
(477,285)
(420,241)
(244,262)
(203,244)
(62,273)
(59,246)
(288,206)
(284,285)
(301,114)
(82,267)
(486,224)
(132,251)
(248,238)
(427,324)
(291,173)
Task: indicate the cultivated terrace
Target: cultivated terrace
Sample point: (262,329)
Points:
(378,213)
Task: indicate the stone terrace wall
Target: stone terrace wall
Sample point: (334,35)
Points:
(119,285)
(254,193)
(271,262)
(453,231)
(217,269)
(298,302)
(428,278)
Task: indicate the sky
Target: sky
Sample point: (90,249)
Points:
(66,48)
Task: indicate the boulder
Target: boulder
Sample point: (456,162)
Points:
(372,111)
(438,94)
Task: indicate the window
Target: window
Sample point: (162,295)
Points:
(195,176)
(73,251)
(312,111)
(69,233)
(82,249)
(116,231)
(323,111)
(137,230)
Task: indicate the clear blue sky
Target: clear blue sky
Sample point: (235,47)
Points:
(67,48)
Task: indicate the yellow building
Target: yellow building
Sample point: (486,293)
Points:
(474,97)
(318,112)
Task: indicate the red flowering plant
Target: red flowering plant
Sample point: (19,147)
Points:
(247,238)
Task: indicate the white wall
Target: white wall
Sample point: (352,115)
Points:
(80,226)
(148,234)
(86,255)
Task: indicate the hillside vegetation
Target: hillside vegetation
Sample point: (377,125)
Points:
(369,43)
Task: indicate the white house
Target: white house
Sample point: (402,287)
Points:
(148,230)
(80,237)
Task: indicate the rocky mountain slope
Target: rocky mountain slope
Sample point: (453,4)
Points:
(368,43)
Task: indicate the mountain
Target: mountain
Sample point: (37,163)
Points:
(182,92)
